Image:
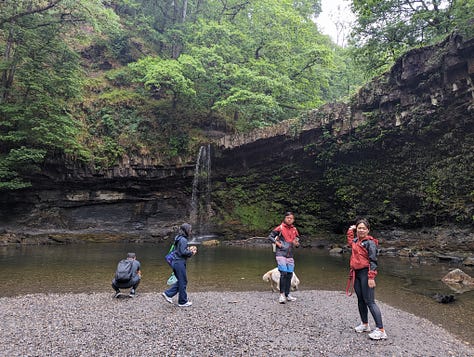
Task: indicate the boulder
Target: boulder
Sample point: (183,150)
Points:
(336,251)
(458,281)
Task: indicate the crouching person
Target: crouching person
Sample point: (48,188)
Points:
(127,275)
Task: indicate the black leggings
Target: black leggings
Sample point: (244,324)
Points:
(285,282)
(366,298)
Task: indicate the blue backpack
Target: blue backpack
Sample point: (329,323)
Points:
(172,253)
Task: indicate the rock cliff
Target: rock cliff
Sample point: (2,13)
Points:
(400,152)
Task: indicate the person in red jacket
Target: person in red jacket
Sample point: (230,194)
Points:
(286,238)
(363,265)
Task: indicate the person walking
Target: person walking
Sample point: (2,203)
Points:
(286,238)
(183,252)
(363,270)
(127,275)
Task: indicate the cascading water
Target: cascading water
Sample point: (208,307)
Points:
(201,195)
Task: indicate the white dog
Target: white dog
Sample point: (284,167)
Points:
(273,277)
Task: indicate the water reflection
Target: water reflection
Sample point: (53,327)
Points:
(90,267)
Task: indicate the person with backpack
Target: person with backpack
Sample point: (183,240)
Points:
(127,275)
(363,270)
(286,238)
(178,263)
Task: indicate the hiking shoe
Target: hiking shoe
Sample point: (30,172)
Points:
(167,298)
(378,334)
(282,299)
(189,303)
(362,328)
(117,293)
(290,298)
(132,293)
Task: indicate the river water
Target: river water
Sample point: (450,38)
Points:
(78,268)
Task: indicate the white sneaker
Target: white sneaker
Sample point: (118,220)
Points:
(167,298)
(282,299)
(362,328)
(290,298)
(189,303)
(377,334)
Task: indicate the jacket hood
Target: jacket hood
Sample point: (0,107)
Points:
(185,230)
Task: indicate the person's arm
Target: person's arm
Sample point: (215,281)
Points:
(372,251)
(139,272)
(273,237)
(350,235)
(296,242)
(183,249)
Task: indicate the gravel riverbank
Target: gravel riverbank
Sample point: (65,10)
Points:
(319,323)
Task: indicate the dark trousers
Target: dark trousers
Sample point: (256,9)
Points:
(179,269)
(366,298)
(130,284)
(285,282)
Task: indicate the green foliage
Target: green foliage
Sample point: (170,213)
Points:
(41,76)
(18,163)
(166,78)
(249,71)
(94,80)
(388,28)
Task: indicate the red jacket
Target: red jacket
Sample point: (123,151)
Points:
(289,234)
(364,253)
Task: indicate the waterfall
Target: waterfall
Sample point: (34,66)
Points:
(201,194)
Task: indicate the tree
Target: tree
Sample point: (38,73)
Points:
(387,28)
(40,78)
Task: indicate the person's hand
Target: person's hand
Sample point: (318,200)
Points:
(296,242)
(278,244)
(193,249)
(372,283)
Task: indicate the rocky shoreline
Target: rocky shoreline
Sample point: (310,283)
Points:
(319,323)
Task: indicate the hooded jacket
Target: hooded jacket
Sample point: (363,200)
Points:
(364,253)
(286,235)
(181,243)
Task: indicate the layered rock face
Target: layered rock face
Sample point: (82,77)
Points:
(399,153)
(135,200)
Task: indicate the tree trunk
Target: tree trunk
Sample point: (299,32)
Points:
(9,72)
(184,11)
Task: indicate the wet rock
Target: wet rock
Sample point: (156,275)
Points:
(449,258)
(458,276)
(469,261)
(444,299)
(336,251)
(405,252)
(458,281)
(211,242)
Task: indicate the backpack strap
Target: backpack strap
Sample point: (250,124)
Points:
(280,234)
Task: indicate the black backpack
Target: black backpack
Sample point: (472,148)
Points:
(124,271)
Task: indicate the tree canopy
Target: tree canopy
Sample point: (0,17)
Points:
(386,29)
(95,80)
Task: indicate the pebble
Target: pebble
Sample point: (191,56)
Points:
(319,323)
